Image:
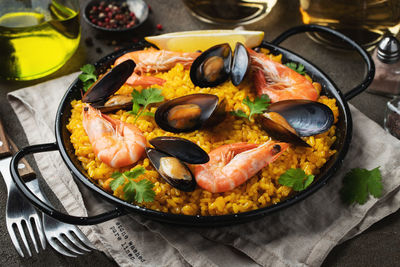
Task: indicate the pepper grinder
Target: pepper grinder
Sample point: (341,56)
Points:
(387,64)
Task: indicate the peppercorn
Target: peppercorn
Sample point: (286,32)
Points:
(112,15)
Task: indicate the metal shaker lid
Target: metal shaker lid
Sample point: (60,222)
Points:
(389,50)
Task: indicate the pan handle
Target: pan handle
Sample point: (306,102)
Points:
(46,208)
(364,54)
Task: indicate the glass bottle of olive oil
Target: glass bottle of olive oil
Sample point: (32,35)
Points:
(38,38)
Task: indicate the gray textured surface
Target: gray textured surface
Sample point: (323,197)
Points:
(379,245)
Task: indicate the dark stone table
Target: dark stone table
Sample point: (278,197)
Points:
(378,246)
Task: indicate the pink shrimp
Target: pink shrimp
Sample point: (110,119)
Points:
(278,81)
(152,60)
(116,143)
(232,165)
(145,81)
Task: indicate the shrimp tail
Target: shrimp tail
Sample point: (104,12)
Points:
(145,81)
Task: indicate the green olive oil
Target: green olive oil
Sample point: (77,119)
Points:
(35,43)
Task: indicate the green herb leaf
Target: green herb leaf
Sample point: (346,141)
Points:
(240,113)
(144,191)
(258,106)
(151,114)
(298,68)
(133,191)
(359,183)
(135,173)
(296,179)
(117,182)
(88,76)
(145,98)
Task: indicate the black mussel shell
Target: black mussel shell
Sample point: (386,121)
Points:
(240,64)
(116,102)
(180,148)
(188,184)
(212,67)
(109,83)
(279,132)
(217,116)
(306,117)
(196,109)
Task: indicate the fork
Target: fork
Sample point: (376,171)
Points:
(64,238)
(19,212)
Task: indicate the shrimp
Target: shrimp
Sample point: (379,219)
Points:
(116,143)
(152,60)
(232,165)
(145,81)
(278,81)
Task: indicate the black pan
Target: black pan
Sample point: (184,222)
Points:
(344,133)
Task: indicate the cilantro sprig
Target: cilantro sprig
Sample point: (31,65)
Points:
(139,192)
(359,183)
(296,179)
(88,76)
(258,106)
(297,67)
(143,99)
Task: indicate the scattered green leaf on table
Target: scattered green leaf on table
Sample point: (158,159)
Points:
(141,191)
(297,68)
(258,106)
(88,76)
(143,99)
(296,179)
(359,183)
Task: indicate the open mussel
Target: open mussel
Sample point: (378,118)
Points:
(190,112)
(216,65)
(212,67)
(240,64)
(289,120)
(168,157)
(180,148)
(116,102)
(108,84)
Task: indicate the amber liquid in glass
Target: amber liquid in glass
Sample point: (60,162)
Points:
(365,21)
(35,43)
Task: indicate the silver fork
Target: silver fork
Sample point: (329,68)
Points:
(65,238)
(20,212)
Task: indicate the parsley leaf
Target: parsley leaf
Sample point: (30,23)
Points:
(141,191)
(145,98)
(239,113)
(296,179)
(297,68)
(88,76)
(358,183)
(258,106)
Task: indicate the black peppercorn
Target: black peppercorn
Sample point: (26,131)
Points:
(112,15)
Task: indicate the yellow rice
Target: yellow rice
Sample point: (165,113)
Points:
(261,190)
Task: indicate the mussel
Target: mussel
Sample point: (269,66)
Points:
(108,84)
(289,120)
(216,65)
(190,112)
(116,102)
(180,148)
(212,67)
(240,64)
(168,157)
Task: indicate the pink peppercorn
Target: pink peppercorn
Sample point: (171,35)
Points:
(114,15)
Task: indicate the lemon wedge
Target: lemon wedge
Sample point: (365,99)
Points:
(191,41)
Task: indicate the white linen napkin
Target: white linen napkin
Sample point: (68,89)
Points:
(300,235)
